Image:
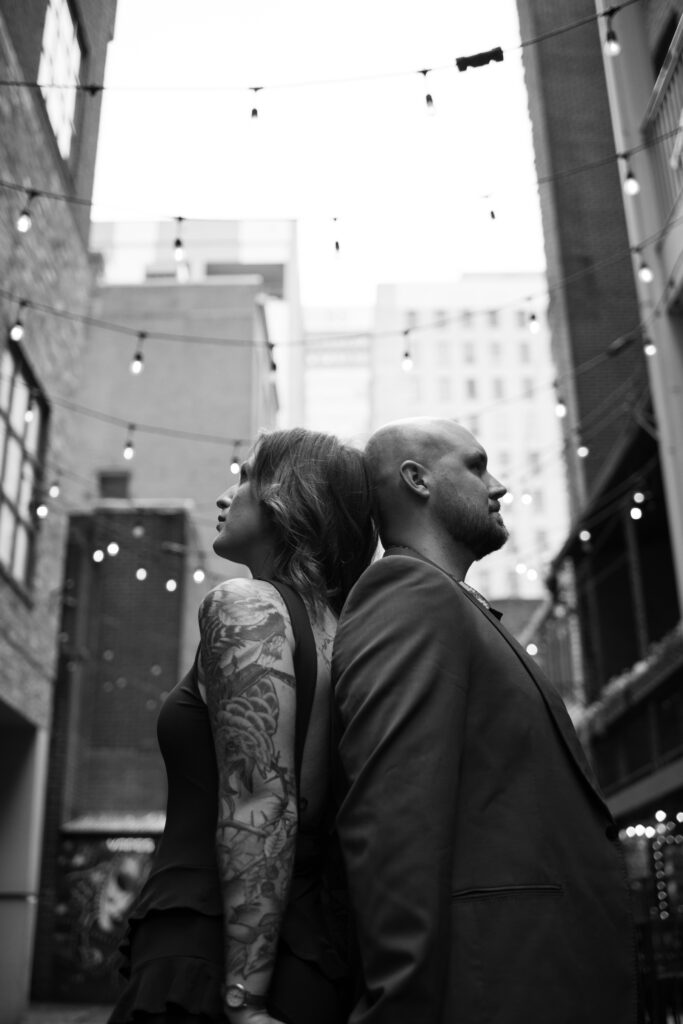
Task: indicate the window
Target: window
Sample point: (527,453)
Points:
(468,352)
(527,387)
(498,388)
(23,414)
(522,318)
(443,352)
(444,389)
(440,318)
(534,461)
(495,350)
(471,388)
(493,317)
(60,65)
(524,352)
(466,317)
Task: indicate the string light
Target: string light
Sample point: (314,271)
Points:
(526,498)
(645,273)
(532,649)
(583,451)
(54,489)
(631,184)
(129,448)
(612,46)
(407,361)
(138,530)
(42,510)
(585,536)
(429,100)
(17,329)
(98,555)
(337,247)
(137,364)
(112,548)
(199,575)
(29,414)
(256,89)
(649,347)
(636,513)
(235,465)
(560,409)
(520,568)
(141,574)
(639,497)
(24,220)
(533,324)
(171,585)
(178,248)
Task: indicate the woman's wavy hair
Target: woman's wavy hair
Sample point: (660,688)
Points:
(317,493)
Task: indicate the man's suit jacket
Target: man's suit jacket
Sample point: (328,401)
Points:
(485,871)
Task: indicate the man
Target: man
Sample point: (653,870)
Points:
(484,867)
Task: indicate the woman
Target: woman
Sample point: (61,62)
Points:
(235,919)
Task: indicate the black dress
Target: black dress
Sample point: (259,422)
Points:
(173,951)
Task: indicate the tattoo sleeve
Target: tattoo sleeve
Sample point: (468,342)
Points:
(246,650)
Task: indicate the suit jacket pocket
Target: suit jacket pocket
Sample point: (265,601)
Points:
(497,891)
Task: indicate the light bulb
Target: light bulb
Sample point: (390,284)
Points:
(639,497)
(171,585)
(406,362)
(582,451)
(141,574)
(585,536)
(631,184)
(199,575)
(560,410)
(42,510)
(54,490)
(649,348)
(533,324)
(531,574)
(137,364)
(645,273)
(17,331)
(128,451)
(24,221)
(636,513)
(178,251)
(520,568)
(532,649)
(612,46)
(29,414)
(112,548)
(98,555)
(526,498)
(234,466)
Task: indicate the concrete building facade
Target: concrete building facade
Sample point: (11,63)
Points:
(605,102)
(46,145)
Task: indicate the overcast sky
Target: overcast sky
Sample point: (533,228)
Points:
(408,189)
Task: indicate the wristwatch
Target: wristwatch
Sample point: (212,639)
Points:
(237,996)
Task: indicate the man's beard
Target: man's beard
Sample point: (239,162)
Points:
(481,532)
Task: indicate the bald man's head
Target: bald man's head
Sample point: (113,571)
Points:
(431,474)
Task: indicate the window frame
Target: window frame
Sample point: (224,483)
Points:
(30,453)
(63,105)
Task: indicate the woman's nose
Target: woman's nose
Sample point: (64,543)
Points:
(225,500)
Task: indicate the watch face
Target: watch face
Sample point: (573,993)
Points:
(234,997)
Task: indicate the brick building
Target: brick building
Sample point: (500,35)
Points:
(605,100)
(48,139)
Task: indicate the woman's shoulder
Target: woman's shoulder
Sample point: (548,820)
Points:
(250,603)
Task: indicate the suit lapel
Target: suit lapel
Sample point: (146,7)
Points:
(551,698)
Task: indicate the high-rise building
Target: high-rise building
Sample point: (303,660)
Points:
(605,98)
(48,139)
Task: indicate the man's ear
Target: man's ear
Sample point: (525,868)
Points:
(414,476)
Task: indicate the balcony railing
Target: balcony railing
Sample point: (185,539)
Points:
(663,126)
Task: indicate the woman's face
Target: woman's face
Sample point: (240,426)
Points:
(245,532)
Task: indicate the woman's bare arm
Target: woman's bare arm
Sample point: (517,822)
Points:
(246,653)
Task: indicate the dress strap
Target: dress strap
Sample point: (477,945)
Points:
(305,668)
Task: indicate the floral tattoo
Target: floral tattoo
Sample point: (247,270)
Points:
(246,659)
